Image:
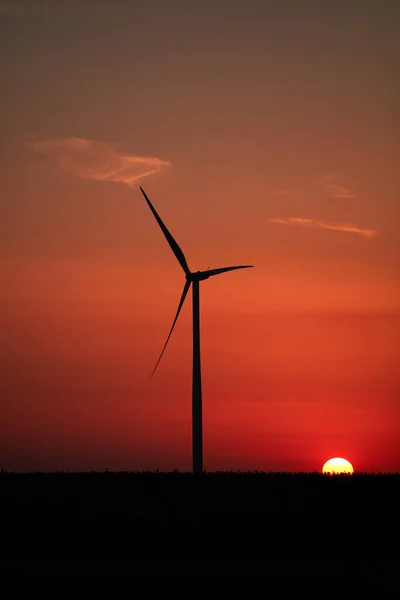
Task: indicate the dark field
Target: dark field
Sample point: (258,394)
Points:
(216,523)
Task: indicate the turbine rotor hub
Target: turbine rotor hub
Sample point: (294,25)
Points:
(197,276)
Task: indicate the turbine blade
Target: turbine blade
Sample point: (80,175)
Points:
(182,300)
(212,272)
(174,246)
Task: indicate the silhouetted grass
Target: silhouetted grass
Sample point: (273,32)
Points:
(215,516)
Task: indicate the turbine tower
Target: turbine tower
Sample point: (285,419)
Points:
(192,279)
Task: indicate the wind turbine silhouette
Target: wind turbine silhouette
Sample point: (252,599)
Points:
(192,278)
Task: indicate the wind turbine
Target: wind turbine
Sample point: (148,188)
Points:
(192,279)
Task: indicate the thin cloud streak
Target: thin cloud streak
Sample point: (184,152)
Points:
(336,192)
(346,227)
(89,159)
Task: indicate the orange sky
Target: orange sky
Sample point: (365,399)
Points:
(265,133)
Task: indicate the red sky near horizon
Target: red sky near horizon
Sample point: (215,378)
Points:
(264,133)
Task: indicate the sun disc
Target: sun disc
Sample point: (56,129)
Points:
(337,466)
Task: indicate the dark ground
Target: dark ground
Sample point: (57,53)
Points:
(214,524)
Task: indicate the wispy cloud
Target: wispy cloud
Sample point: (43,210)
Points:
(335,191)
(346,227)
(89,159)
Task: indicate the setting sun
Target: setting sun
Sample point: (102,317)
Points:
(336,466)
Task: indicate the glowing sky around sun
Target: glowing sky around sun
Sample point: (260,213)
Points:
(264,133)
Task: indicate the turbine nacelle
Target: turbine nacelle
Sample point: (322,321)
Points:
(201,275)
(197,275)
